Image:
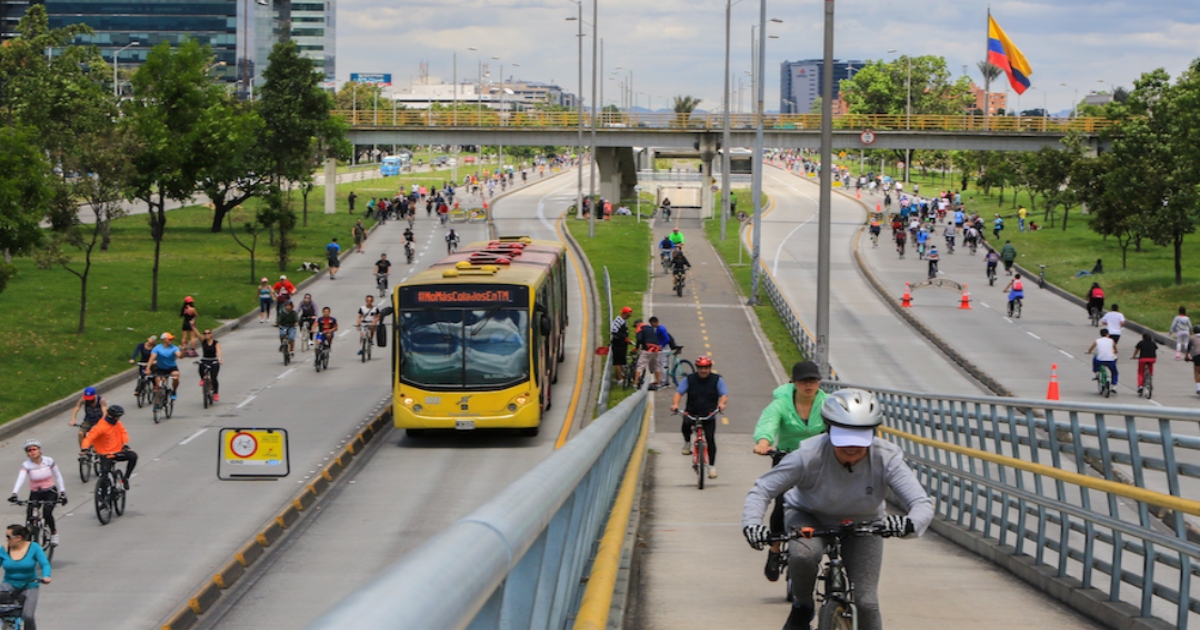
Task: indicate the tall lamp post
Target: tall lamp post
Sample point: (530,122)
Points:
(757,158)
(1075,103)
(826,199)
(592,164)
(116,55)
(725,192)
(579,106)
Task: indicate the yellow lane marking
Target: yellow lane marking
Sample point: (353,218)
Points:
(724,420)
(583,353)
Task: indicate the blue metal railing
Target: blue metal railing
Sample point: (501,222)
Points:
(517,561)
(1134,546)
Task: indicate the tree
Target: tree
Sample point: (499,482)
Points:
(684,106)
(364,96)
(26,75)
(101,155)
(1103,184)
(25,192)
(295,112)
(171,92)
(989,71)
(253,228)
(882,87)
(227,145)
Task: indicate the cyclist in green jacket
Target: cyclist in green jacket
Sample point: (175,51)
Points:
(792,417)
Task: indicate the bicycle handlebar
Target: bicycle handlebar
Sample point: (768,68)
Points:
(36,502)
(688,416)
(845,530)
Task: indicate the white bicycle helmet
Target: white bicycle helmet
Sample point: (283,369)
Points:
(852,408)
(31,442)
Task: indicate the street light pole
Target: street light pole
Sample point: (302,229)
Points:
(725,192)
(592,163)
(579,106)
(826,197)
(756,184)
(907,119)
(116,55)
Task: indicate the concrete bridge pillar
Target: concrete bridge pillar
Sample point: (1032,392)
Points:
(708,152)
(618,173)
(330,186)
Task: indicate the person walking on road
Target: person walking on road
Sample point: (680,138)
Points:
(1008,254)
(266,296)
(1146,355)
(618,341)
(188,329)
(647,343)
(706,392)
(360,235)
(1181,329)
(1105,354)
(665,341)
(793,416)
(1114,321)
(45,484)
(351,199)
(998,226)
(333,258)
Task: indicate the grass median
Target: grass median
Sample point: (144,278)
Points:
(1145,288)
(768,318)
(623,245)
(47,360)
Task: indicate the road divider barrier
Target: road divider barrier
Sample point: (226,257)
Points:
(209,593)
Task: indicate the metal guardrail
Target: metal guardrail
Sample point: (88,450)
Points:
(686,176)
(714,122)
(518,560)
(1023,474)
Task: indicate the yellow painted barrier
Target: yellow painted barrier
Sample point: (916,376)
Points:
(1103,485)
(597,597)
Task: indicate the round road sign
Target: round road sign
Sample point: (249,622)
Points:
(867,137)
(243,445)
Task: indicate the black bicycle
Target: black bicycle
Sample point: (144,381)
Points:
(145,385)
(205,381)
(365,341)
(680,279)
(38,532)
(409,253)
(835,590)
(381,281)
(283,345)
(1094,314)
(110,491)
(164,400)
(89,464)
(991,274)
(12,607)
(321,355)
(1014,308)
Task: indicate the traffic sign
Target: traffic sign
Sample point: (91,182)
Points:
(867,137)
(251,452)
(842,155)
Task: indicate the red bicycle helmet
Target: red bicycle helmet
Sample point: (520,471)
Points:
(703,362)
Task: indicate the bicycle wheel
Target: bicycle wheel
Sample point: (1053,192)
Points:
(287,356)
(317,360)
(1017,308)
(1148,385)
(837,615)
(207,389)
(85,468)
(362,346)
(679,288)
(169,404)
(44,541)
(158,403)
(139,395)
(700,448)
(104,510)
(118,493)
(367,354)
(681,371)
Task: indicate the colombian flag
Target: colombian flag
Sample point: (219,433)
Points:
(1005,55)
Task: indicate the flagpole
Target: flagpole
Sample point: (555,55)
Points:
(987,79)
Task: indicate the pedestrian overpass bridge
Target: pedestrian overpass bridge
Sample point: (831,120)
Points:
(627,142)
(1086,503)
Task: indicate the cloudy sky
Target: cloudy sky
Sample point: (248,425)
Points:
(676,46)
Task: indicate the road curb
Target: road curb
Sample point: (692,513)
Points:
(210,592)
(591,379)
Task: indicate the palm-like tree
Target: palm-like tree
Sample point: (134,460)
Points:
(684,106)
(989,70)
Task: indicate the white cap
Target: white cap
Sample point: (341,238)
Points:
(843,436)
(283,277)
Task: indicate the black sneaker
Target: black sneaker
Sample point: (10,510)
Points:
(125,482)
(774,562)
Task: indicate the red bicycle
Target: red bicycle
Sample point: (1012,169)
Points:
(700,461)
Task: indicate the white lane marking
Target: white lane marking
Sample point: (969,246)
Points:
(193,436)
(1033,335)
(779,250)
(1066,353)
(285,374)
(985,305)
(344,333)
(246,402)
(1008,320)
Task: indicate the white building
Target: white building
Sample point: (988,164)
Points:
(512,96)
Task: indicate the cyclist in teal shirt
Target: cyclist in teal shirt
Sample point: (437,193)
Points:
(163,362)
(20,560)
(792,417)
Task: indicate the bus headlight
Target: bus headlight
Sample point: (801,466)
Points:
(512,407)
(417,408)
(408,401)
(521,400)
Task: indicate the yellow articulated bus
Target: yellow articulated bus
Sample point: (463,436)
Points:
(479,337)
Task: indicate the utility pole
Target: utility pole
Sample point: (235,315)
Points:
(592,164)
(826,199)
(756,184)
(725,192)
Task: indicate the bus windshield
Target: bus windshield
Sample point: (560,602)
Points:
(464,348)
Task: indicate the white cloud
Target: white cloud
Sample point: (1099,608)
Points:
(677,47)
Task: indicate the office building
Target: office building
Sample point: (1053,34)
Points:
(996,101)
(313,30)
(11,12)
(800,82)
(521,95)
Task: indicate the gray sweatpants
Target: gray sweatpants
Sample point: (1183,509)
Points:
(31,602)
(863,556)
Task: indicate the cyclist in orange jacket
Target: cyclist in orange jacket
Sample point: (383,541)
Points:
(111,442)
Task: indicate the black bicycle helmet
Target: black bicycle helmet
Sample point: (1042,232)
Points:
(116,411)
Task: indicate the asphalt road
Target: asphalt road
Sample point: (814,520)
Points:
(412,488)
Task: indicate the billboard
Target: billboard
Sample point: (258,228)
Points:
(378,78)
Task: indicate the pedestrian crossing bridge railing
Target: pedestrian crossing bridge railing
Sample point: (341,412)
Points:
(701,121)
(522,559)
(1095,504)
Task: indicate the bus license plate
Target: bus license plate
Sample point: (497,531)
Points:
(464,425)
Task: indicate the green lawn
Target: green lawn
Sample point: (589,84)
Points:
(623,245)
(49,361)
(768,318)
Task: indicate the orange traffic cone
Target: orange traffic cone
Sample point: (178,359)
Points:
(966,300)
(878,207)
(858,193)
(1052,391)
(906,299)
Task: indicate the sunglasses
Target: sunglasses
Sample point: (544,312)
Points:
(32,448)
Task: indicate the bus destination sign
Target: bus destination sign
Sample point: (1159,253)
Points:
(463,296)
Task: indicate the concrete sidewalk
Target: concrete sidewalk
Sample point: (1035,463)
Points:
(696,570)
